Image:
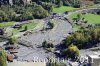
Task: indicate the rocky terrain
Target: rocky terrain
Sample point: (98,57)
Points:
(56,35)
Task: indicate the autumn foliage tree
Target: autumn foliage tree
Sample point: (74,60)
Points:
(73,52)
(84,38)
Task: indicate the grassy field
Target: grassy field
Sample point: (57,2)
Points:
(6,24)
(62,9)
(91,18)
(74,15)
(76,27)
(30,26)
(9,30)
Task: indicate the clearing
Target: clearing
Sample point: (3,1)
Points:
(91,18)
(62,9)
(6,24)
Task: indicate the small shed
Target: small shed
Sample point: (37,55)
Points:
(17,25)
(94,60)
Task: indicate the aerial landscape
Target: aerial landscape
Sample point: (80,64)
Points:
(49,32)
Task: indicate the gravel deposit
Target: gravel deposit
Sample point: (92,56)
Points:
(56,35)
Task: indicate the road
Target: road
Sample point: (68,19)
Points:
(79,11)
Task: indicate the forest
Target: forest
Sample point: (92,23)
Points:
(21,11)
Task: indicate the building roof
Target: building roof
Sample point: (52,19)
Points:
(95,56)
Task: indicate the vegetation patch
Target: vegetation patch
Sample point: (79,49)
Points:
(62,9)
(29,26)
(90,18)
(3,57)
(6,24)
(83,39)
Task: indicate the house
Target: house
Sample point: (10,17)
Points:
(94,60)
(11,2)
(26,1)
(7,2)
